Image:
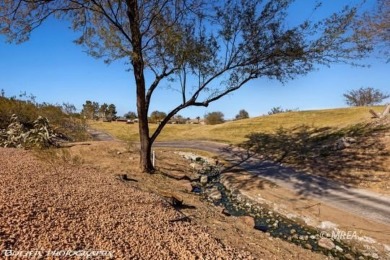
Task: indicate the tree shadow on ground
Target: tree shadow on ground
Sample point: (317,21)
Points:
(348,157)
(240,179)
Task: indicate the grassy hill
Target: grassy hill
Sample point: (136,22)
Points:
(235,131)
(312,141)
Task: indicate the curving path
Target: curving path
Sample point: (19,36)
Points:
(361,202)
(98,135)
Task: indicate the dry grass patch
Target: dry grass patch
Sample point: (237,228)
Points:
(234,132)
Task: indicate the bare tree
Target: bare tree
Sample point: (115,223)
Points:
(209,48)
(365,97)
(68,108)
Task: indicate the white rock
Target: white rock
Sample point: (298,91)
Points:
(367,239)
(327,225)
(203,179)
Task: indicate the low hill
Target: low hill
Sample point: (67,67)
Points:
(343,144)
(235,131)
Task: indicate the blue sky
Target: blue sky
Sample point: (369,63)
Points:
(55,70)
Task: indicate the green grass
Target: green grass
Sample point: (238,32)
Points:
(235,131)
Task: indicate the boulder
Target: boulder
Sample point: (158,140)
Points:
(344,142)
(178,175)
(326,243)
(214,193)
(186,185)
(193,176)
(196,166)
(226,212)
(247,220)
(204,179)
(263,228)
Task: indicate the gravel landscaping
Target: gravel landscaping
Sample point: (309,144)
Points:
(74,211)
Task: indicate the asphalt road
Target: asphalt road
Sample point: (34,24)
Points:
(99,135)
(361,202)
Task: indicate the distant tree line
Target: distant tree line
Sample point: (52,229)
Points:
(130,115)
(211,118)
(92,110)
(278,110)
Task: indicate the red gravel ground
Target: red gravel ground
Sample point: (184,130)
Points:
(52,211)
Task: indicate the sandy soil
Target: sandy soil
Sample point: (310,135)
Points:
(81,206)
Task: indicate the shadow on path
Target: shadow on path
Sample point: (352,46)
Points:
(361,202)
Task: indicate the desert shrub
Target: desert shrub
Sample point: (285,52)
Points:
(214,118)
(67,126)
(17,135)
(14,134)
(242,114)
(26,111)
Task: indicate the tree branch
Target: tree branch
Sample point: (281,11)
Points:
(165,73)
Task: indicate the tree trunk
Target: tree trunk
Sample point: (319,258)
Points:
(146,148)
(145,142)
(142,106)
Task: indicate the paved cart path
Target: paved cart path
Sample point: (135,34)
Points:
(361,202)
